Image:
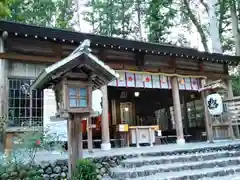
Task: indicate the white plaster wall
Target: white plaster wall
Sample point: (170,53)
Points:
(22,69)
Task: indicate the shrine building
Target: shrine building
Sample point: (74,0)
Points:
(156,96)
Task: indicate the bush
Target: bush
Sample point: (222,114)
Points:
(85,170)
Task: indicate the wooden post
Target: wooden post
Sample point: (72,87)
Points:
(208,124)
(230,90)
(137,139)
(177,111)
(75,150)
(70,149)
(185,115)
(89,134)
(3,94)
(230,128)
(78,136)
(106,145)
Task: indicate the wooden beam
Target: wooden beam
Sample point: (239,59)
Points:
(22,57)
(212,75)
(172,62)
(201,66)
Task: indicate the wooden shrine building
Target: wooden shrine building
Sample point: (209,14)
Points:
(157,88)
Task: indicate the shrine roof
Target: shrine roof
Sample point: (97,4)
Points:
(71,37)
(80,58)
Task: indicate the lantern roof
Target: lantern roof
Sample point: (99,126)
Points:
(215,85)
(81,59)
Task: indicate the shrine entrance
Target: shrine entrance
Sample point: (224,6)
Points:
(151,107)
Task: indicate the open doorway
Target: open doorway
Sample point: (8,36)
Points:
(141,107)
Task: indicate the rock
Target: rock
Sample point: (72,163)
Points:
(11,168)
(57,169)
(4,175)
(23,174)
(103,171)
(106,165)
(63,175)
(112,163)
(41,171)
(44,165)
(61,162)
(97,171)
(48,170)
(14,174)
(53,176)
(98,165)
(46,177)
(65,169)
(99,177)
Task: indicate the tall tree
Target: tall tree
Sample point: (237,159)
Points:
(213,27)
(235,26)
(4,8)
(49,13)
(110,17)
(159,19)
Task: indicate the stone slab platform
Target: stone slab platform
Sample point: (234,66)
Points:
(158,149)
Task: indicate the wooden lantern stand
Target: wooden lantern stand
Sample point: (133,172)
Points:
(73,79)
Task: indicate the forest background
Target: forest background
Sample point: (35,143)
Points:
(207,25)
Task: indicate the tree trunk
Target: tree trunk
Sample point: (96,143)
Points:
(138,9)
(213,27)
(197,24)
(235,27)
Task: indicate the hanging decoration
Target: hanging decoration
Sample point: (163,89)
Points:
(153,80)
(214,104)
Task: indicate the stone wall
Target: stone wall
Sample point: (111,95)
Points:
(58,170)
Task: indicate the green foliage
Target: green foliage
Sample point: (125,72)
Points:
(51,13)
(4,8)
(20,163)
(159,19)
(236,85)
(85,170)
(109,17)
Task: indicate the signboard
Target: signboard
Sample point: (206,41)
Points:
(56,129)
(151,80)
(214,104)
(96,102)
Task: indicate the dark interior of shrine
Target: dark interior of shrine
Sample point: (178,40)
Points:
(152,107)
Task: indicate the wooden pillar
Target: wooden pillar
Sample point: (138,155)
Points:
(208,124)
(230,90)
(106,145)
(230,96)
(79,136)
(3,94)
(70,149)
(177,111)
(75,150)
(89,134)
(185,115)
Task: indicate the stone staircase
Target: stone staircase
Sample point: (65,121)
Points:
(203,164)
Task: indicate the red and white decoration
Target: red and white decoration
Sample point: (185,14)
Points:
(147,80)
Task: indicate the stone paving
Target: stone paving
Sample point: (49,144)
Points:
(219,161)
(52,156)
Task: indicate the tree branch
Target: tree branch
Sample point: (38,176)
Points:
(205,5)
(197,25)
(220,23)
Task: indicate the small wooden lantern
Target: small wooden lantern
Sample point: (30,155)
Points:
(73,97)
(73,80)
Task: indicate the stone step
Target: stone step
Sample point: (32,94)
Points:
(146,160)
(207,173)
(147,170)
(235,176)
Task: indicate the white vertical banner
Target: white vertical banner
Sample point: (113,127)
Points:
(57,129)
(147,79)
(156,81)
